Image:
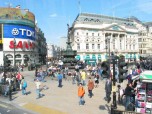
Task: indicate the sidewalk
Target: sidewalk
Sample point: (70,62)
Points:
(61,100)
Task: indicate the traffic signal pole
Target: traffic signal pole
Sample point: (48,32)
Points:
(114,82)
(114,104)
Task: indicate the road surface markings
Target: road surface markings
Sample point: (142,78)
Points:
(4,106)
(41,109)
(8,110)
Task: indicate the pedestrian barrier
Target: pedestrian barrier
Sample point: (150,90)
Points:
(116,111)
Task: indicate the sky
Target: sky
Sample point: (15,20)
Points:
(54,15)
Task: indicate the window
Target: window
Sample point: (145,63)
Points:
(126,46)
(92,46)
(92,34)
(120,45)
(78,46)
(133,46)
(98,34)
(98,46)
(130,47)
(86,34)
(77,39)
(87,46)
(77,33)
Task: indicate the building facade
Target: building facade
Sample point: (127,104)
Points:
(19,36)
(94,35)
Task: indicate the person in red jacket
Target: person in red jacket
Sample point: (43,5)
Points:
(81,92)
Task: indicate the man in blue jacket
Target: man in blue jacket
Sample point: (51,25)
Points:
(60,77)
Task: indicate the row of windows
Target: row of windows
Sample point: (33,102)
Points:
(99,46)
(99,34)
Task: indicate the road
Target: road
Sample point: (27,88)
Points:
(6,108)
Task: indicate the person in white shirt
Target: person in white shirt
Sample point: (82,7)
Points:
(38,84)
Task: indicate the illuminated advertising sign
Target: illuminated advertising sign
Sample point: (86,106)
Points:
(19,31)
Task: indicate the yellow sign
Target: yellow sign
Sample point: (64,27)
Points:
(1,41)
(114,88)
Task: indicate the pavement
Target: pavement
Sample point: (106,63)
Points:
(60,100)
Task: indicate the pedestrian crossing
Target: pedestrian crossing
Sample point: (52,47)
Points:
(41,109)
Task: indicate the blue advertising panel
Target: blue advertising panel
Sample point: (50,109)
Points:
(19,31)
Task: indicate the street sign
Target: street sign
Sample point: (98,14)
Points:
(114,88)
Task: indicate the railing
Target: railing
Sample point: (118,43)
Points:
(123,112)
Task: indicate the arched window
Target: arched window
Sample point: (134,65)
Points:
(9,56)
(18,56)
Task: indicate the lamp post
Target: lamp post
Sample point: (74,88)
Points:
(109,59)
(14,53)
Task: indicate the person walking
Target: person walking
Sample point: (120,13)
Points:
(128,94)
(60,77)
(90,87)
(83,77)
(108,89)
(81,92)
(24,86)
(38,84)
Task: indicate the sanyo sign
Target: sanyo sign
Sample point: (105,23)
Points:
(19,31)
(22,31)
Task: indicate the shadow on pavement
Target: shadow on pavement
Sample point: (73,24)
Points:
(105,107)
(13,93)
(29,92)
(14,98)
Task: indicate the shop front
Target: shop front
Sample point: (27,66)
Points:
(144,93)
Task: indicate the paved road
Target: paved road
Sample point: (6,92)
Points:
(61,100)
(6,108)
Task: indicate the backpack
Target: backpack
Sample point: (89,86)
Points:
(24,84)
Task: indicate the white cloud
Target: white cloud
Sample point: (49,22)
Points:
(53,15)
(145,6)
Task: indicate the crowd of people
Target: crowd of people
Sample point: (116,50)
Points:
(90,77)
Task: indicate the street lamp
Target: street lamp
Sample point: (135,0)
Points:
(14,52)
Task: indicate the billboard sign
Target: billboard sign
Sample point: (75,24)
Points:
(19,31)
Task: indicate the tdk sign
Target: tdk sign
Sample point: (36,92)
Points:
(23,32)
(18,31)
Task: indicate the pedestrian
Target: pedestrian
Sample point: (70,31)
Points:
(24,86)
(90,87)
(96,78)
(81,92)
(128,95)
(83,77)
(60,77)
(108,89)
(19,78)
(38,89)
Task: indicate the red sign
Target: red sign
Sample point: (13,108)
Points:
(22,44)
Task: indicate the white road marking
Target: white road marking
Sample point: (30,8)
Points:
(4,106)
(8,110)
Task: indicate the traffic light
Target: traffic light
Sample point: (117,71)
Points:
(105,68)
(122,70)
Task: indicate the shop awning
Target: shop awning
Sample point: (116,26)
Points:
(134,56)
(78,57)
(127,56)
(94,57)
(99,57)
(87,57)
(146,75)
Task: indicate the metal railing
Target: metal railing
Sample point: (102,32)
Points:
(115,111)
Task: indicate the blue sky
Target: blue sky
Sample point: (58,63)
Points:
(53,15)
